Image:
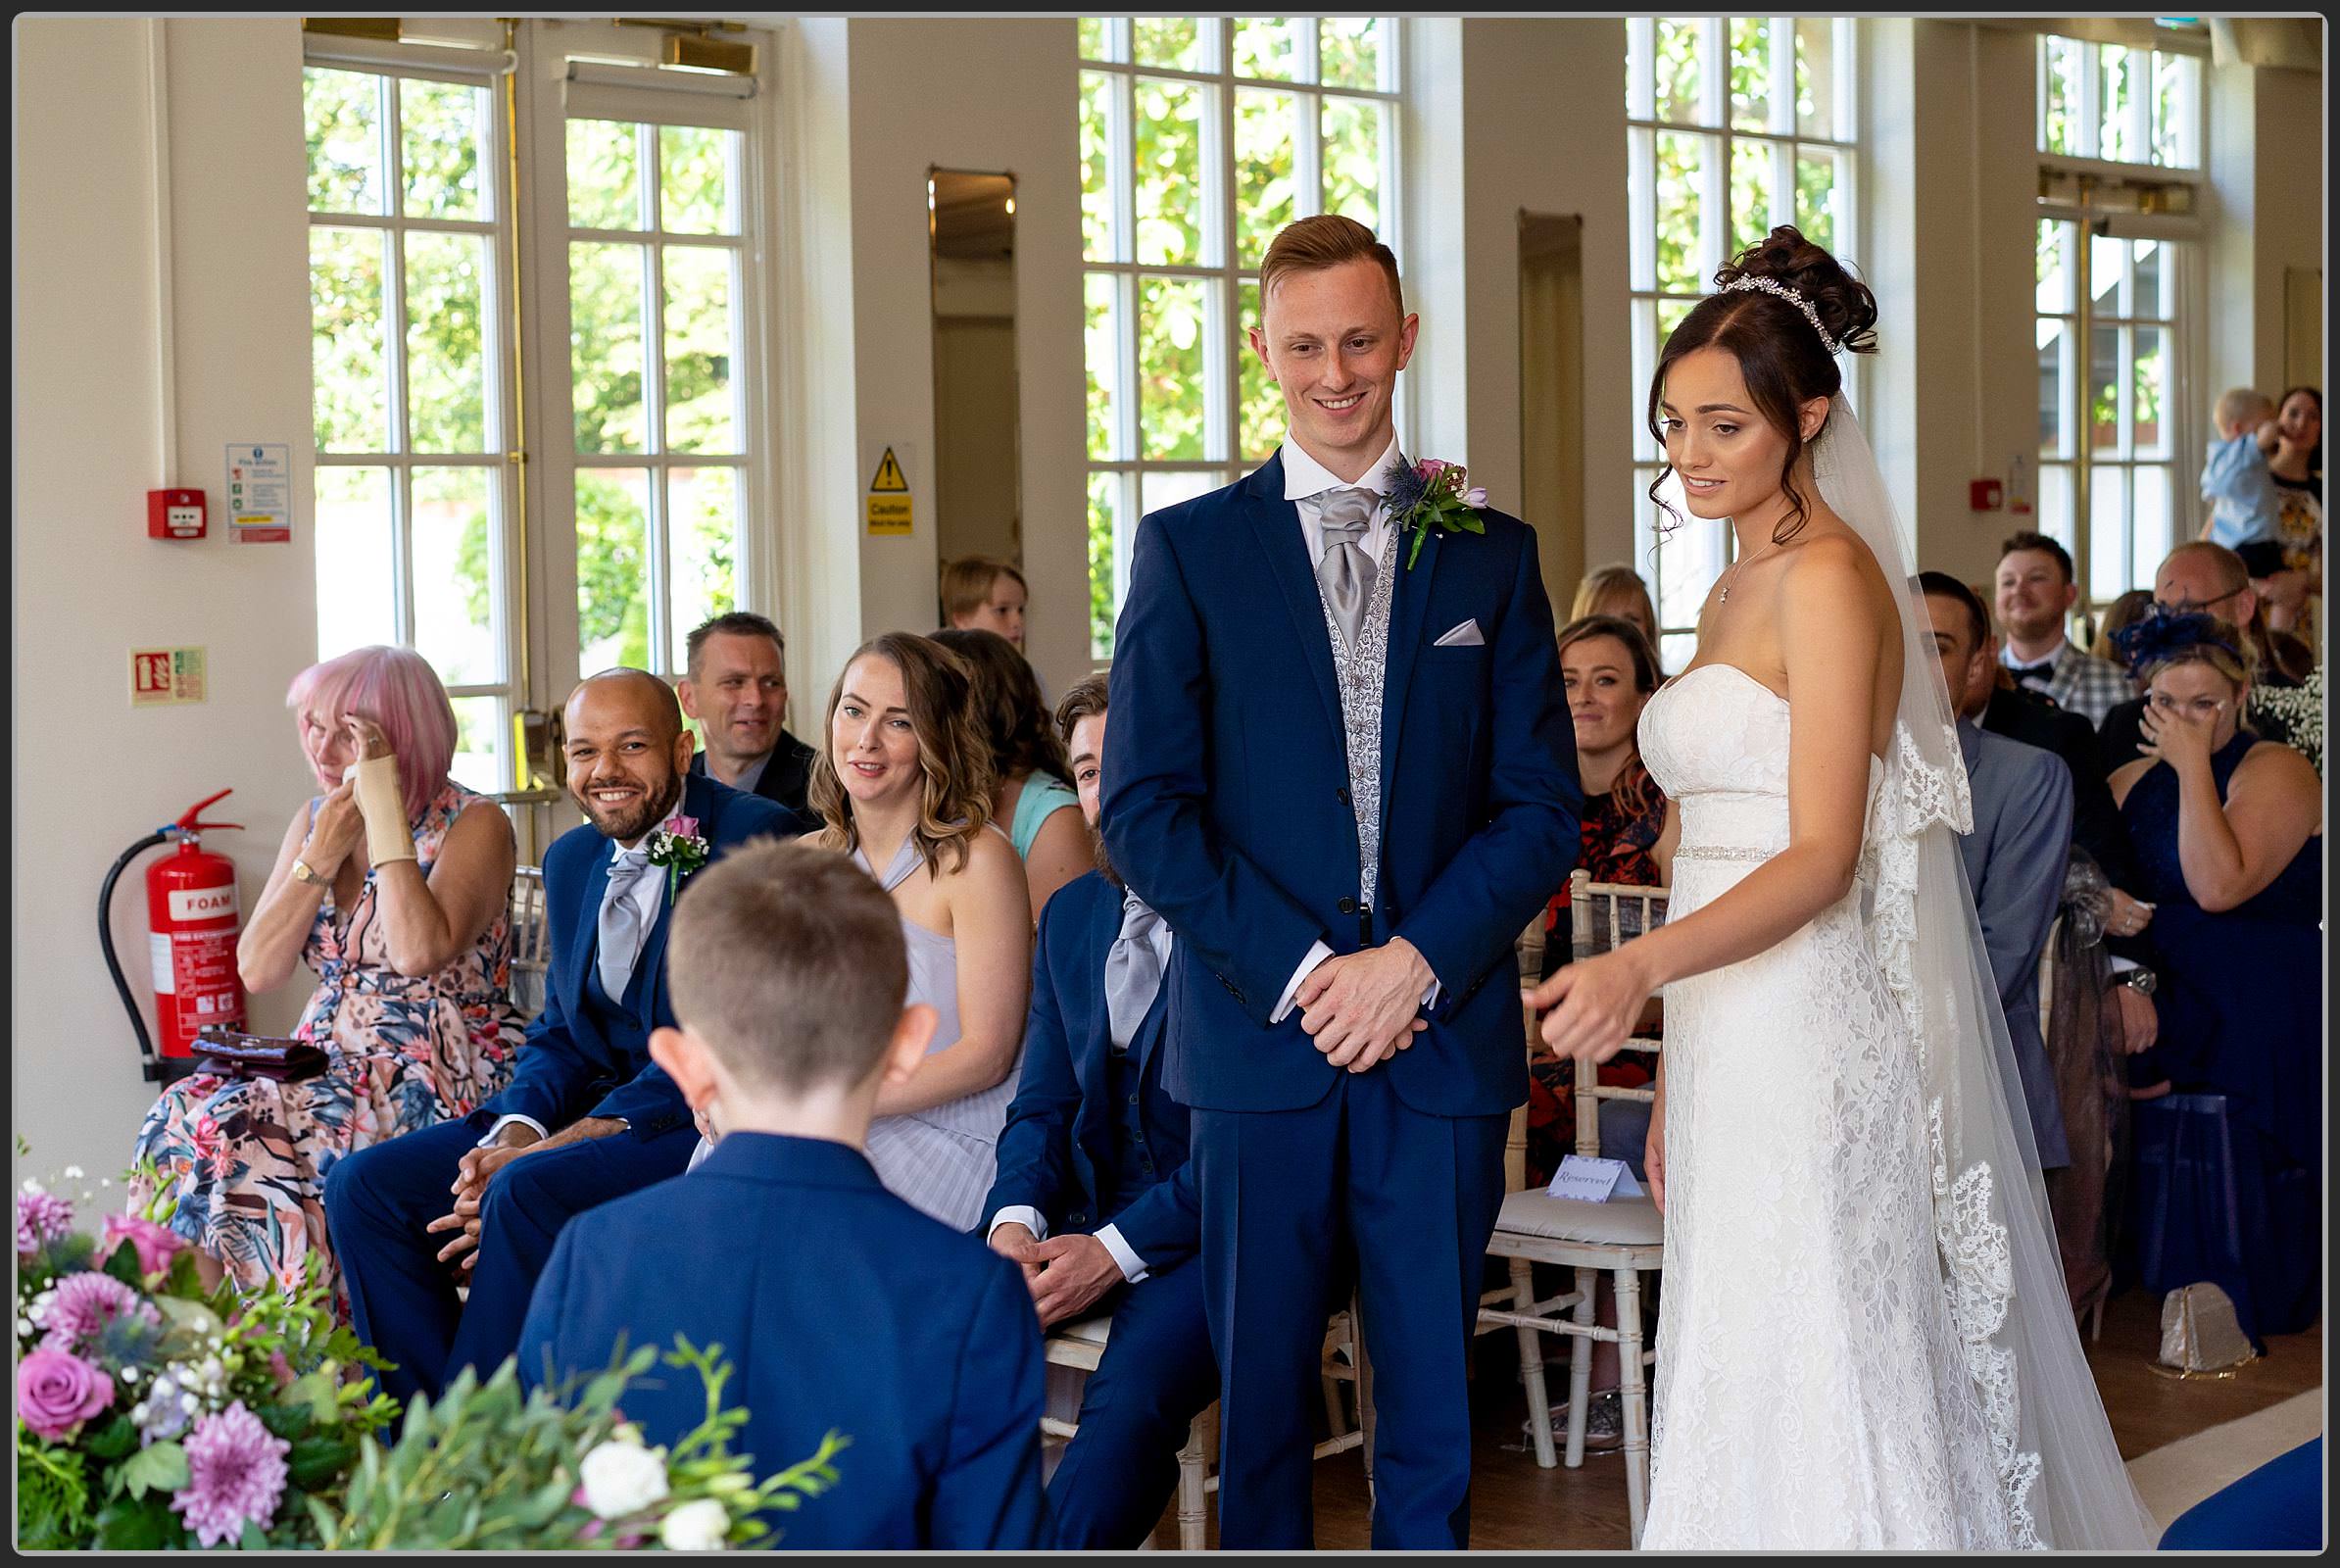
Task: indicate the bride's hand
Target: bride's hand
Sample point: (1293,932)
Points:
(1595,1004)
(1653,1150)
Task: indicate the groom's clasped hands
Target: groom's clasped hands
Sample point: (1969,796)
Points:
(1363,1007)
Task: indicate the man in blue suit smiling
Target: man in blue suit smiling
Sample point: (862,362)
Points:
(1341,767)
(587,1115)
(1095,1195)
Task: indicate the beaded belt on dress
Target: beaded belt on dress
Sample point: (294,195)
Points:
(1722,852)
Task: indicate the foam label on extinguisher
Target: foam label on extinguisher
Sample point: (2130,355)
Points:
(204,904)
(158,954)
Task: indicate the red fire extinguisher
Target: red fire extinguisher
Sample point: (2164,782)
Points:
(194,916)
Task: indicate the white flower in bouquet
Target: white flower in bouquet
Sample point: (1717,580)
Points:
(698,1526)
(621,1478)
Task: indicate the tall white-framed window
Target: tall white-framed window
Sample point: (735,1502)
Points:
(1200,137)
(2118,255)
(525,495)
(409,263)
(1734,124)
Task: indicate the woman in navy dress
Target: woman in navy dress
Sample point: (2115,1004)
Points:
(2225,828)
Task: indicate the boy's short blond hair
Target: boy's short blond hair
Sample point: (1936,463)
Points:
(788,961)
(968,583)
(2242,409)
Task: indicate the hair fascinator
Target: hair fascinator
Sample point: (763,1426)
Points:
(2161,636)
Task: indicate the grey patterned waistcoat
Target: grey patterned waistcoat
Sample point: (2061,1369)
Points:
(1360,672)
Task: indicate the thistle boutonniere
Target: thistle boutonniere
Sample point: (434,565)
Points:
(1432,495)
(678,847)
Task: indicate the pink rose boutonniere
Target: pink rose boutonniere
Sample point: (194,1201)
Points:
(678,847)
(1433,495)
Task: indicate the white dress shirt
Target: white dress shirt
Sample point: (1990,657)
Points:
(648,894)
(1125,1257)
(1306,483)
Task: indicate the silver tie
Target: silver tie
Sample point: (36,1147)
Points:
(1344,569)
(1132,973)
(622,928)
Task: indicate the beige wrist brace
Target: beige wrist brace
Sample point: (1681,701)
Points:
(383,805)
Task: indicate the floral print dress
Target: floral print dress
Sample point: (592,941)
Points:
(248,1158)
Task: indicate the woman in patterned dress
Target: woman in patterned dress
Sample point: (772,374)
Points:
(413,962)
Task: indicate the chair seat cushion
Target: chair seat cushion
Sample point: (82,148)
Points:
(1622,1221)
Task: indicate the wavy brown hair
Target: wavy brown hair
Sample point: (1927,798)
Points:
(1779,356)
(952,753)
(1634,784)
(1008,703)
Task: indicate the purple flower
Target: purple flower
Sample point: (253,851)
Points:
(157,1244)
(41,1216)
(235,1476)
(1476,496)
(682,827)
(86,1303)
(1432,468)
(57,1391)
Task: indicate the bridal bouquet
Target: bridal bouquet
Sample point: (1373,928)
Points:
(152,1413)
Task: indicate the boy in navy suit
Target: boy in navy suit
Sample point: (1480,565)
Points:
(1095,1195)
(838,1304)
(587,1115)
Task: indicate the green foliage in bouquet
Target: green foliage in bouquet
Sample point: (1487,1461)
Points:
(152,1413)
(561,1469)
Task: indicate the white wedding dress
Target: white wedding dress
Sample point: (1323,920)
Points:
(1813,1386)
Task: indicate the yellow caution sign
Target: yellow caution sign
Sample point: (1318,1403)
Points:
(889,500)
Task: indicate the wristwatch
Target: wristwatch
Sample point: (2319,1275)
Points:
(2140,980)
(302,874)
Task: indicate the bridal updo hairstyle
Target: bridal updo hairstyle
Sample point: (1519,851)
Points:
(1783,361)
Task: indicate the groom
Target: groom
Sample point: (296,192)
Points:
(1347,782)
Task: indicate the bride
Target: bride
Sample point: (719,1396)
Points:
(1865,1341)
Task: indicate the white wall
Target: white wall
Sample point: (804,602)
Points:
(91,775)
(988,94)
(2267,170)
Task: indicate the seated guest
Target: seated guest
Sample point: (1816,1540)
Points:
(1617,591)
(1610,673)
(2210,579)
(1030,798)
(738,691)
(2019,714)
(392,886)
(587,1115)
(2016,854)
(2125,611)
(906,788)
(2224,825)
(2036,591)
(1095,1197)
(838,1306)
(981,594)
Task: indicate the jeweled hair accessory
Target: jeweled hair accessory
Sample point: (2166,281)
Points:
(1772,285)
(2161,634)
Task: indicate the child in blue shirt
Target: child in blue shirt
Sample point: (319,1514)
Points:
(2244,506)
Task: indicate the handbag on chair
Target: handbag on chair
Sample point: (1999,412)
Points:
(232,1054)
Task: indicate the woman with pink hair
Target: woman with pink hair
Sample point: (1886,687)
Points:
(392,885)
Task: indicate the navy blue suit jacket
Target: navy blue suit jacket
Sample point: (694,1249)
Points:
(2015,860)
(1227,793)
(1058,1141)
(570,1065)
(838,1307)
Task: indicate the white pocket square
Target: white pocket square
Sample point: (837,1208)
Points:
(1466,635)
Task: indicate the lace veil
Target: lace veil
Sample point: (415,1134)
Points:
(2061,1477)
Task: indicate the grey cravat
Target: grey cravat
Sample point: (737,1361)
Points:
(1132,973)
(1344,569)
(621,929)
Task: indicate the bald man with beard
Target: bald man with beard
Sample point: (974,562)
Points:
(587,1115)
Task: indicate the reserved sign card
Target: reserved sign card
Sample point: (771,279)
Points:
(1593,1181)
